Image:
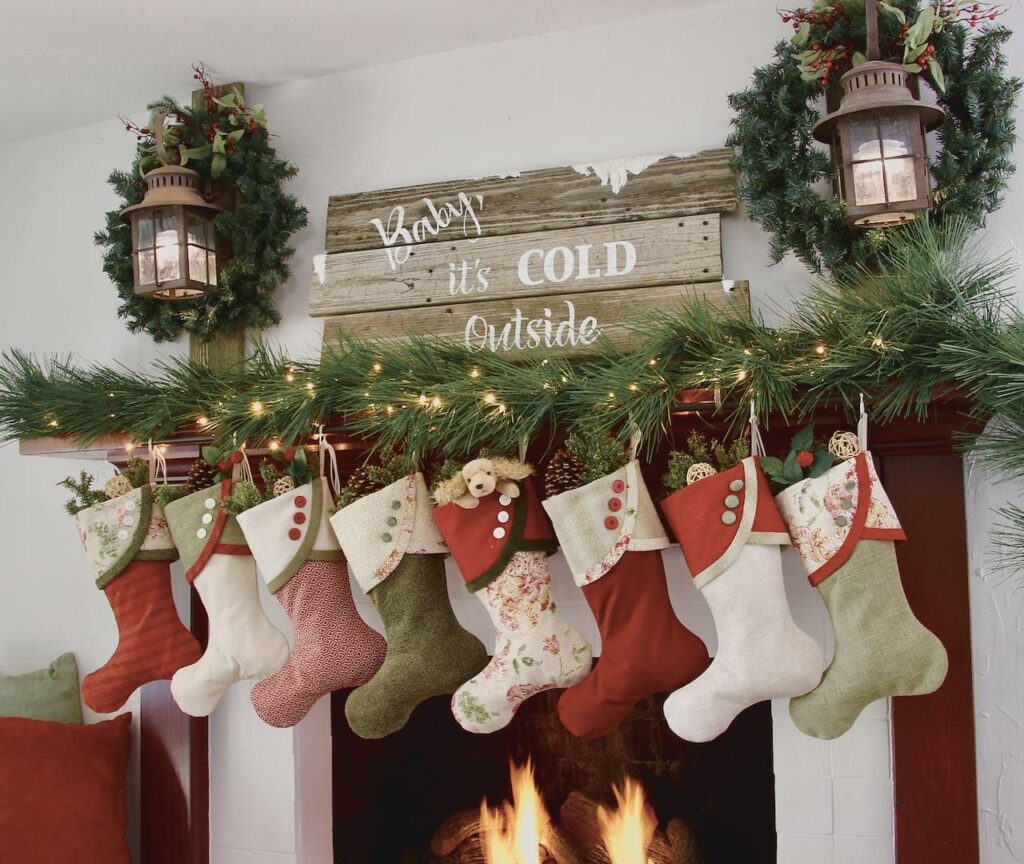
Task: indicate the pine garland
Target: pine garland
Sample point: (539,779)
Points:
(259,227)
(778,161)
(934,313)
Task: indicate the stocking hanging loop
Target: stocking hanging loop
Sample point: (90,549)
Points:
(756,442)
(328,461)
(157,463)
(862,427)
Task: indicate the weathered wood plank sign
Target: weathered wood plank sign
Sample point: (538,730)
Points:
(557,258)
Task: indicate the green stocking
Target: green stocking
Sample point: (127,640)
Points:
(429,652)
(881,648)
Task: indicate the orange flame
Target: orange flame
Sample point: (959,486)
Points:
(627,831)
(512,833)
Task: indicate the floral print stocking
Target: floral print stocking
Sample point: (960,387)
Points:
(535,648)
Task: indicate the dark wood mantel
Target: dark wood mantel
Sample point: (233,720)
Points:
(933,736)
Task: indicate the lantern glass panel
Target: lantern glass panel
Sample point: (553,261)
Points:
(197,264)
(868,184)
(147,267)
(900,180)
(864,144)
(145,232)
(167,268)
(898,132)
(166,223)
(212,259)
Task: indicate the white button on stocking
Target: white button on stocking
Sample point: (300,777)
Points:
(503,516)
(499,532)
(504,500)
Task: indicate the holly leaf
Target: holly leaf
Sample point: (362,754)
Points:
(218,164)
(236,135)
(911,54)
(804,438)
(299,468)
(858,58)
(791,472)
(936,70)
(211,455)
(823,460)
(803,34)
(771,465)
(921,29)
(892,10)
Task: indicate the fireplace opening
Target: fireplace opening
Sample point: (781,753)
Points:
(396,799)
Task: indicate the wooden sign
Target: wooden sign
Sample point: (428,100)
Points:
(555,258)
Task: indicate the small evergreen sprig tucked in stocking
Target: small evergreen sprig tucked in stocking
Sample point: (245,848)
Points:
(806,458)
(389,466)
(702,450)
(85,495)
(586,457)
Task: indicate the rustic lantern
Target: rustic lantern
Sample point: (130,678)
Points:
(878,140)
(174,245)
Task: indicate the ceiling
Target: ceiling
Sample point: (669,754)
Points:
(67,63)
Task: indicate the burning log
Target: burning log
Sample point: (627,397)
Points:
(521,832)
(677,844)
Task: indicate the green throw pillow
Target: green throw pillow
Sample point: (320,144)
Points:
(46,694)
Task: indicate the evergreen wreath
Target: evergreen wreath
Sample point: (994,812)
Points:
(778,162)
(227,141)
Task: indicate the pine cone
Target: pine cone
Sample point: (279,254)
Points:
(565,472)
(201,475)
(361,483)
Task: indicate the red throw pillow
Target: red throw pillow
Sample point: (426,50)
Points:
(62,791)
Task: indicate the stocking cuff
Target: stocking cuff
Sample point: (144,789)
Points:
(483,539)
(289,530)
(380,529)
(828,515)
(124,529)
(714,518)
(200,526)
(598,523)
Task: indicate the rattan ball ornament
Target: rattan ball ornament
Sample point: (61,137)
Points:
(117,486)
(283,485)
(698,471)
(843,445)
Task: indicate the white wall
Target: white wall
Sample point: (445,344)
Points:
(655,85)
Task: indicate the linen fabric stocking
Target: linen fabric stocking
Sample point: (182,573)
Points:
(242,642)
(501,547)
(298,556)
(730,533)
(611,536)
(130,547)
(397,556)
(843,526)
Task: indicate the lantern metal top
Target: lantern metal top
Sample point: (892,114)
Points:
(171,186)
(876,85)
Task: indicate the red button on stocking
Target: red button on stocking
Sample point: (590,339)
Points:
(295,534)
(611,523)
(299,518)
(618,486)
(615,504)
(300,500)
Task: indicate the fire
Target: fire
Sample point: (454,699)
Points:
(513,833)
(627,831)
